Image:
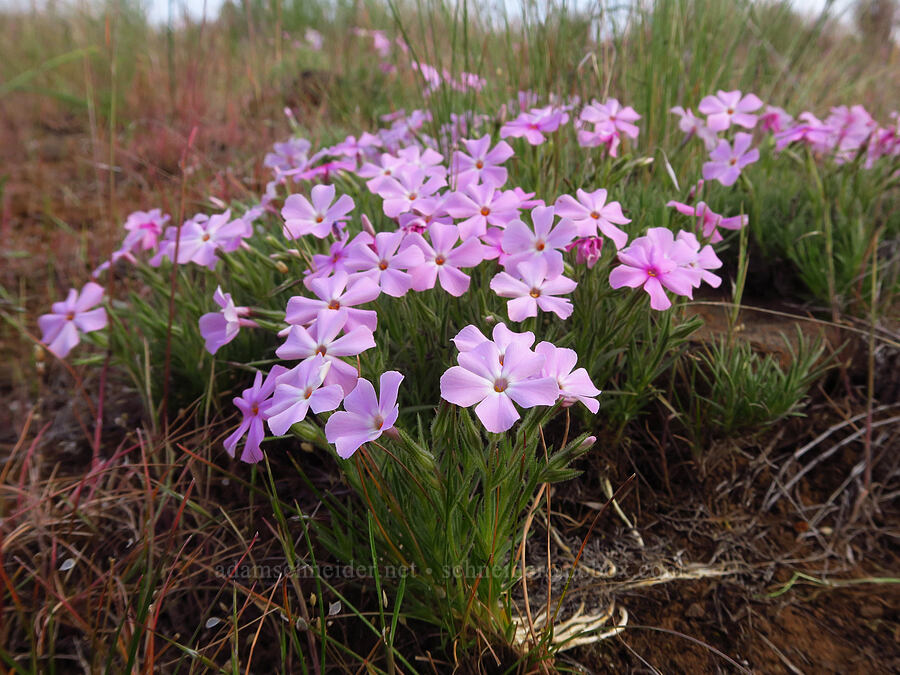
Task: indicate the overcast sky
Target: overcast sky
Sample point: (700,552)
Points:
(158,10)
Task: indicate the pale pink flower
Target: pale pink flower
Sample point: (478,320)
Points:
(727,162)
(704,259)
(220,328)
(482,163)
(481,378)
(334,293)
(470,337)
(730,107)
(591,211)
(480,205)
(532,125)
(202,237)
(144,229)
(320,217)
(62,328)
(547,241)
(443,262)
(655,261)
(365,416)
(381,261)
(574,385)
(401,190)
(536,286)
(321,338)
(774,119)
(692,125)
(300,390)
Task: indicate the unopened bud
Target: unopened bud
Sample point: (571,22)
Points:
(281,267)
(367,224)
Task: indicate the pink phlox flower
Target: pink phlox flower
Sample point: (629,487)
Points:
(201,237)
(480,205)
(300,390)
(387,166)
(532,125)
(852,126)
(325,170)
(536,286)
(526,199)
(704,259)
(730,107)
(574,384)
(587,250)
(383,261)
(289,155)
(314,39)
(321,338)
(220,328)
(600,135)
(442,261)
(365,415)
(320,217)
(612,113)
(493,242)
(430,75)
(324,265)
(709,220)
(591,211)
(481,378)
(339,291)
(482,163)
(62,328)
(655,261)
(808,129)
(727,162)
(775,119)
(401,190)
(254,405)
(144,229)
(692,125)
(546,240)
(470,337)
(428,160)
(423,213)
(365,146)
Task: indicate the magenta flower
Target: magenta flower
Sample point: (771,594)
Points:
(401,190)
(728,107)
(532,125)
(656,261)
(574,385)
(482,164)
(321,339)
(335,293)
(220,328)
(481,378)
(537,287)
(365,416)
(590,212)
(443,262)
(587,250)
(381,261)
(335,261)
(300,390)
(709,219)
(480,205)
(320,217)
(704,259)
(61,329)
(545,241)
(810,130)
(775,119)
(254,404)
(726,163)
(144,229)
